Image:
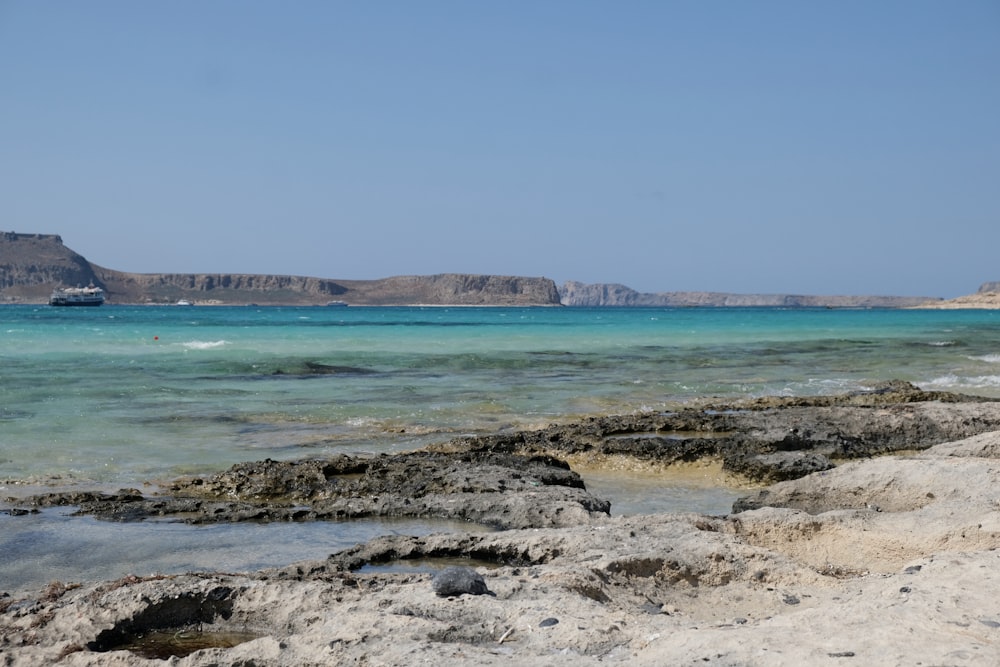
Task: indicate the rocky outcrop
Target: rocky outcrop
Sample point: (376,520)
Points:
(226,288)
(499,490)
(455,288)
(601,294)
(32,265)
(887,560)
(763,440)
(481,478)
(988,297)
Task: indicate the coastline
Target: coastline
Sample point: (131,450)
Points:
(980,300)
(874,539)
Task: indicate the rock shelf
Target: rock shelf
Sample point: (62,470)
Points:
(876,542)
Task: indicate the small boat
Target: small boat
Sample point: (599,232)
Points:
(184,302)
(77,296)
(336,304)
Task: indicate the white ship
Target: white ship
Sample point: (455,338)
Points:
(77,296)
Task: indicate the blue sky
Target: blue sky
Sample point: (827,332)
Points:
(817,147)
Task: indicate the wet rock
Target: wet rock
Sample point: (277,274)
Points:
(812,432)
(19,511)
(455,581)
(69,498)
(495,489)
(795,581)
(517,480)
(777,466)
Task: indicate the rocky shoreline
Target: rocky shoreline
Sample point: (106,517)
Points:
(875,542)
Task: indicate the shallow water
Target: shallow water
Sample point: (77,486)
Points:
(162,645)
(702,489)
(127,395)
(52,545)
(122,396)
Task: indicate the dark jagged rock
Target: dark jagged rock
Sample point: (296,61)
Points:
(767,439)
(455,581)
(492,489)
(778,466)
(518,480)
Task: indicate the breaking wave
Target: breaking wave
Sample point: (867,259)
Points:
(204,344)
(988,358)
(959,382)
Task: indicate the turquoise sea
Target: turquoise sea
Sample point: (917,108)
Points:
(122,396)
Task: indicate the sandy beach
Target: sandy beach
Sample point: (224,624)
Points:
(888,555)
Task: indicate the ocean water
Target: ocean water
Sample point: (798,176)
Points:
(122,396)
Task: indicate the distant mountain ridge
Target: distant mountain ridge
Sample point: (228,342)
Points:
(604,294)
(32,265)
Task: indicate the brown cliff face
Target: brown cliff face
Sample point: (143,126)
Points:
(32,265)
(456,288)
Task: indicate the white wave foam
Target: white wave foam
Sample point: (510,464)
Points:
(942,343)
(204,344)
(821,386)
(988,358)
(952,381)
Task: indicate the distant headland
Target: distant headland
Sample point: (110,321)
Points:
(32,265)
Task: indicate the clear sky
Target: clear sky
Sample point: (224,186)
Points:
(812,147)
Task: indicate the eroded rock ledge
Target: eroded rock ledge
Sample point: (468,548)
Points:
(881,558)
(522,480)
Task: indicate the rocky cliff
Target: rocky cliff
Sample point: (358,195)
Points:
(31,265)
(580,294)
(991,287)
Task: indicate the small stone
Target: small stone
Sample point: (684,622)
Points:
(789,599)
(548,622)
(455,581)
